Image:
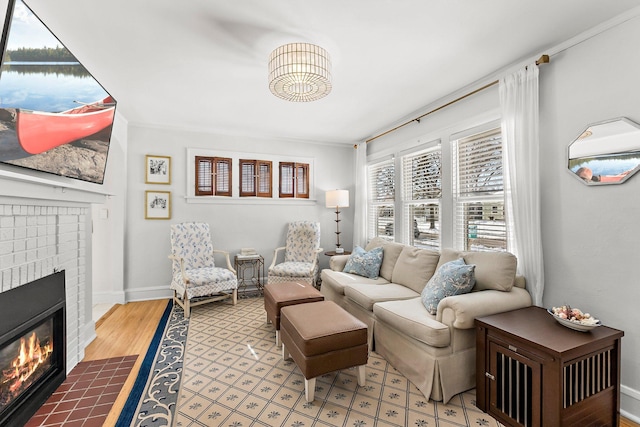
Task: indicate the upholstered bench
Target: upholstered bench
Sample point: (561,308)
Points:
(278,295)
(322,337)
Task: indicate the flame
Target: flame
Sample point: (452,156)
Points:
(30,357)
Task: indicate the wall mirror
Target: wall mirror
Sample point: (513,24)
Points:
(606,153)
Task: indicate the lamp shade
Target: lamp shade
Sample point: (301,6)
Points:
(337,199)
(300,72)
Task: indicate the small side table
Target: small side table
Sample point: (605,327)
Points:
(334,253)
(256,264)
(532,371)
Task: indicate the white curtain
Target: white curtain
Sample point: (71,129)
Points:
(519,107)
(360,208)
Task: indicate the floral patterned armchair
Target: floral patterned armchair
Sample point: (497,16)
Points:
(196,280)
(300,254)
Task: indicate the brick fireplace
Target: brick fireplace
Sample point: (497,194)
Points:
(38,238)
(32,346)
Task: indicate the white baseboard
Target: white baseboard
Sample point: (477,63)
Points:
(149,293)
(108,297)
(630,403)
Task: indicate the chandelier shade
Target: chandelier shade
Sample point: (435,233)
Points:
(300,72)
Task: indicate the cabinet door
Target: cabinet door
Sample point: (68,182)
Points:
(514,387)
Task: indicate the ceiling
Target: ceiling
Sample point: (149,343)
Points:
(202,64)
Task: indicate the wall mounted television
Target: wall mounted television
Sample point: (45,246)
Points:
(54,116)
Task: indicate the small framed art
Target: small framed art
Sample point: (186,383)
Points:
(157,205)
(158,169)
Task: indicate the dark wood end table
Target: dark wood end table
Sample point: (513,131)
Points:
(532,371)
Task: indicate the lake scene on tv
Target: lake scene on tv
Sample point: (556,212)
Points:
(54,116)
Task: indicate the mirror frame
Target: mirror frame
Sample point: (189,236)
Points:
(628,173)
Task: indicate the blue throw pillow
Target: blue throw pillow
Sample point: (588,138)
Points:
(452,278)
(364,263)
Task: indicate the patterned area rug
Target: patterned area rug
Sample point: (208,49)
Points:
(155,392)
(234,375)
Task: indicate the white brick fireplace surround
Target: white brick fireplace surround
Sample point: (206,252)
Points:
(37,238)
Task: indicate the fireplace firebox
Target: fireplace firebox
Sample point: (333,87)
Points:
(32,347)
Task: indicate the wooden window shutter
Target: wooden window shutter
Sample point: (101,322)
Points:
(204,176)
(213,176)
(247,178)
(255,178)
(222,176)
(287,179)
(264,180)
(302,180)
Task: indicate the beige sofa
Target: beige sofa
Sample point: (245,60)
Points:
(435,352)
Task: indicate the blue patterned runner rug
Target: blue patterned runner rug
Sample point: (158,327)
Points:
(152,400)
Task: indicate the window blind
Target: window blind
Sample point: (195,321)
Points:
(381,182)
(479,192)
(421,193)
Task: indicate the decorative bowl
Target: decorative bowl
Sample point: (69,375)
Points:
(574,324)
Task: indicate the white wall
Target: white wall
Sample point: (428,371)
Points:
(108,223)
(590,234)
(241,223)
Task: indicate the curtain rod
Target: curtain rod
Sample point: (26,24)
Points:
(544,59)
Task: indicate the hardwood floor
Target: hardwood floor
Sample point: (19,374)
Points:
(123,331)
(128,330)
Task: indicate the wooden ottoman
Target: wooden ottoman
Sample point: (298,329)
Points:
(322,337)
(278,295)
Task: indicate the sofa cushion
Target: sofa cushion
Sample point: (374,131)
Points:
(410,317)
(415,267)
(366,295)
(452,278)
(365,263)
(337,280)
(391,252)
(494,270)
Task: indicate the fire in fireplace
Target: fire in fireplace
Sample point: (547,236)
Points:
(24,361)
(32,347)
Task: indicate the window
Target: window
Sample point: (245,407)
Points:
(479,192)
(255,178)
(294,180)
(381,193)
(421,193)
(248,178)
(213,176)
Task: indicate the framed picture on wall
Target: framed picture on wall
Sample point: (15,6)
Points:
(158,169)
(157,205)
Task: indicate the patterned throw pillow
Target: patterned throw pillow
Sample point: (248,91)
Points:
(364,263)
(452,278)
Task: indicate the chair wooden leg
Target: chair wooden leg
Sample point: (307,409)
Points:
(309,389)
(362,375)
(187,308)
(235,296)
(278,341)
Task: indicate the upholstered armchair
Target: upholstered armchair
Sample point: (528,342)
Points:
(196,280)
(301,250)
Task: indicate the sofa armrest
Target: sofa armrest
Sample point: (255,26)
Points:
(337,262)
(460,311)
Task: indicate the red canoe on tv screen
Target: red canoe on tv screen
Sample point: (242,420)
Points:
(39,131)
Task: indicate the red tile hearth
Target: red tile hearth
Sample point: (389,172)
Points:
(85,398)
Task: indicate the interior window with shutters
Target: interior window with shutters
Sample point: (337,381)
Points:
(381,194)
(213,176)
(255,178)
(421,193)
(294,180)
(479,192)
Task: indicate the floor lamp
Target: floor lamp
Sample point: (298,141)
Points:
(337,199)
